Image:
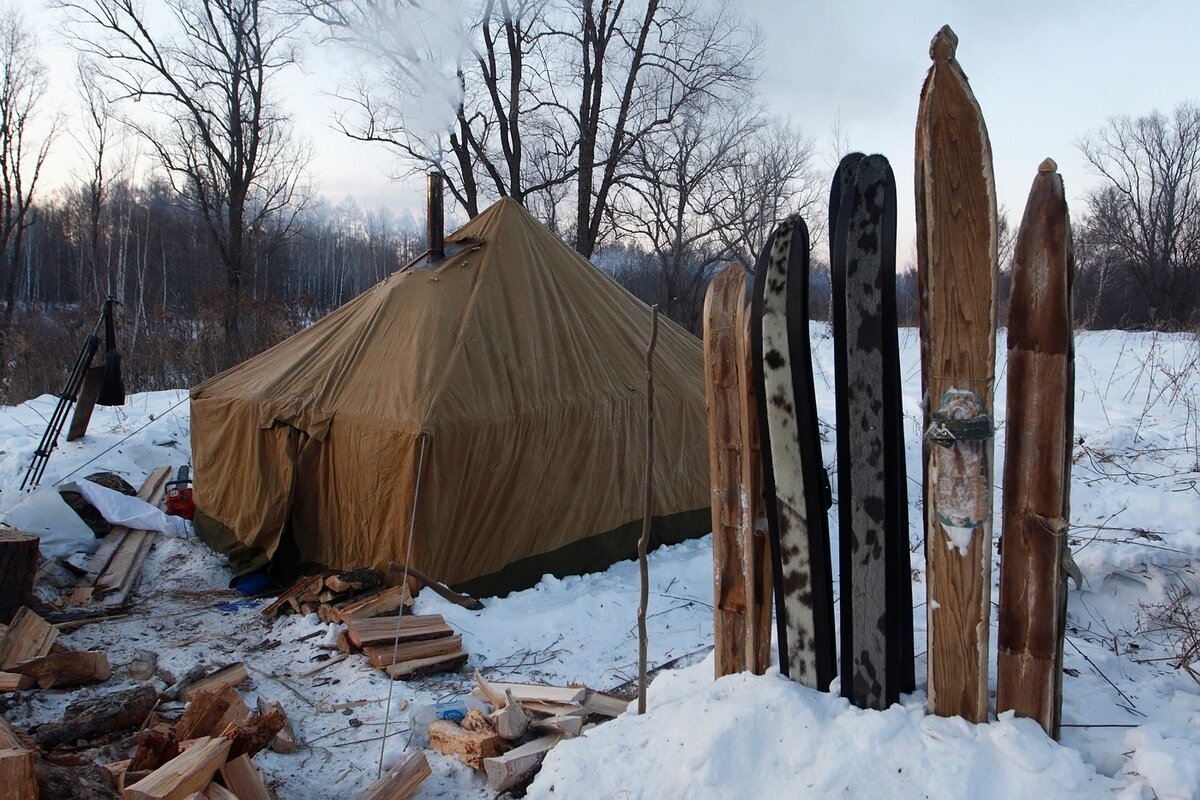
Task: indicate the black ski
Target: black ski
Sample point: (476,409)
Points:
(795,485)
(876,581)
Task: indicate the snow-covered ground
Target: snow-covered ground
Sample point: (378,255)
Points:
(1132,719)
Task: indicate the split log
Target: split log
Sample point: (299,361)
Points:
(242,778)
(426,666)
(555,709)
(29,636)
(515,766)
(208,713)
(194,674)
(190,771)
(216,791)
(569,725)
(156,746)
(469,747)
(285,740)
(18,565)
(87,782)
(607,705)
(375,604)
(384,655)
(252,734)
(512,720)
(536,692)
(67,669)
(489,693)
(275,607)
(18,776)
(401,780)
(374,631)
(230,675)
(14,681)
(88,719)
(116,771)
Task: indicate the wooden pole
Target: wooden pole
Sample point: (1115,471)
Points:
(647,510)
(723,303)
(956,261)
(1037,459)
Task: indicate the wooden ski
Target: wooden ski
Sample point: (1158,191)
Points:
(876,580)
(756,547)
(956,263)
(795,486)
(723,305)
(1037,459)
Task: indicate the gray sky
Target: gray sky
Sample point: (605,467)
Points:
(1044,74)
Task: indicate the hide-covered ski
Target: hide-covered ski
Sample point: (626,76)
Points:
(956,272)
(795,485)
(1037,459)
(876,580)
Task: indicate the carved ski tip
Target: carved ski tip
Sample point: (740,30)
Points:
(944,45)
(1049,165)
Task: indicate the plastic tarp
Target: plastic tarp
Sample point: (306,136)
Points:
(132,512)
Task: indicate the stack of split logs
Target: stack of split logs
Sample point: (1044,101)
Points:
(765,445)
(398,643)
(524,722)
(30,656)
(195,740)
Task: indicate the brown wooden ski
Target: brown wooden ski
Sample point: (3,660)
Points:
(723,305)
(956,263)
(1037,459)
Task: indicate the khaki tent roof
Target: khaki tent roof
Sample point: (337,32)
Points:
(523,365)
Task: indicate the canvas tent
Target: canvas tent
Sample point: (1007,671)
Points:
(503,387)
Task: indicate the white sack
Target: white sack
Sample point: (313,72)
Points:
(132,512)
(45,514)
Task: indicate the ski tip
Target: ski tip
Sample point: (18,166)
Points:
(944,45)
(1049,165)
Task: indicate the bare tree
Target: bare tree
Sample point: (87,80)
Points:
(1146,214)
(23,150)
(208,77)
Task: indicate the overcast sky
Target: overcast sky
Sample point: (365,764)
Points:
(1045,73)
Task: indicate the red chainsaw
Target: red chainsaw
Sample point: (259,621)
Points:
(179,495)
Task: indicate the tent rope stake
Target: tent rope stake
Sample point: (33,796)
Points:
(412,524)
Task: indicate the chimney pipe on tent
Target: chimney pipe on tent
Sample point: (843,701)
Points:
(437,248)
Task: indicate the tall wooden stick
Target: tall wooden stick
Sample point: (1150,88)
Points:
(644,541)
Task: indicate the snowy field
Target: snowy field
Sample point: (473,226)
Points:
(1131,717)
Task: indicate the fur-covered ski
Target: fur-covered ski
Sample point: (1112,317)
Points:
(876,576)
(1037,459)
(956,269)
(795,485)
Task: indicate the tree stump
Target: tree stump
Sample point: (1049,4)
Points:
(18,564)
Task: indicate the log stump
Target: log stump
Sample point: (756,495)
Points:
(18,565)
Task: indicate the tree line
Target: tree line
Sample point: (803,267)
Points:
(632,129)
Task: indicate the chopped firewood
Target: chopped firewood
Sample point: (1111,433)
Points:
(190,771)
(309,607)
(606,705)
(194,674)
(242,778)
(230,675)
(206,713)
(511,720)
(569,725)
(513,767)
(88,719)
(18,565)
(18,775)
(567,695)
(216,791)
(326,596)
(343,643)
(426,666)
(117,770)
(384,655)
(143,665)
(73,782)
(469,747)
(29,636)
(67,669)
(253,733)
(555,709)
(376,630)
(156,745)
(401,780)
(14,681)
(238,710)
(275,607)
(285,740)
(490,694)
(356,581)
(375,604)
